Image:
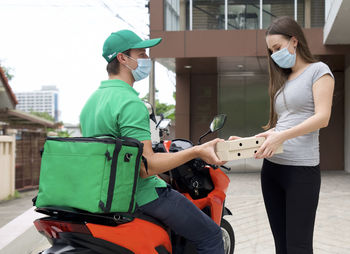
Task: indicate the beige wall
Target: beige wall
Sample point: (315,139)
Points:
(7,166)
(347,114)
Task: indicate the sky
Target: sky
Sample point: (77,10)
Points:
(59,42)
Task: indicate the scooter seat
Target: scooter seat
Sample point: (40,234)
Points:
(72,214)
(108,219)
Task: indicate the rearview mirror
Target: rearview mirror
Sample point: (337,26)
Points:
(164,124)
(150,109)
(218,122)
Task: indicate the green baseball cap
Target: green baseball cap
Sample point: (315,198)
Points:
(123,40)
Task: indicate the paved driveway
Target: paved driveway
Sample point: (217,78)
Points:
(249,220)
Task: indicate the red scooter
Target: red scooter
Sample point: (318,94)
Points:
(75,231)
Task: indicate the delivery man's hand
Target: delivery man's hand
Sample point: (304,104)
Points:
(207,153)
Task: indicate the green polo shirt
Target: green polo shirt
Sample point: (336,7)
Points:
(116,109)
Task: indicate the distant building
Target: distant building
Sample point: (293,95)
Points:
(45,100)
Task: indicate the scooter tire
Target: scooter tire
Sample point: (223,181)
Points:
(228,236)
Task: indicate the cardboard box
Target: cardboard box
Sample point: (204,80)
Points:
(242,148)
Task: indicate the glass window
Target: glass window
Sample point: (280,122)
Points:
(245,100)
(301,12)
(276,8)
(243,14)
(172,15)
(317,13)
(207,15)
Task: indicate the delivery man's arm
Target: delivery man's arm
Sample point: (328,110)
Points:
(162,162)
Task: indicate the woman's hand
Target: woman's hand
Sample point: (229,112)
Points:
(233,137)
(273,140)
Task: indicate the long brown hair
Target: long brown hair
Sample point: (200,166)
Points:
(287,27)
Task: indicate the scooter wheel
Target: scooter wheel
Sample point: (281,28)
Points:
(228,236)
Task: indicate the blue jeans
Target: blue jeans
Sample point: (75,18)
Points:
(187,220)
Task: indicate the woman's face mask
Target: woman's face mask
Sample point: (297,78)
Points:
(283,58)
(143,68)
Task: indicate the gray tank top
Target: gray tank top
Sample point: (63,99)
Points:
(294,105)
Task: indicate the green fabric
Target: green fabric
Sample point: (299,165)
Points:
(116,109)
(76,172)
(123,40)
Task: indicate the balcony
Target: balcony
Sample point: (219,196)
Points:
(180,15)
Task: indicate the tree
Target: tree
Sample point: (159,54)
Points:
(44,115)
(163,108)
(47,116)
(8,71)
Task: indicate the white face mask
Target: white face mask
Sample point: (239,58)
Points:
(143,68)
(283,58)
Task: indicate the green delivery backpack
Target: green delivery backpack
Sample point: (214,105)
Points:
(95,174)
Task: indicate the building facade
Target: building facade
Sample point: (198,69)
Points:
(44,100)
(217,50)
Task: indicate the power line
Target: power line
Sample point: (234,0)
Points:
(105,5)
(135,4)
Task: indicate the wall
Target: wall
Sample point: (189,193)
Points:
(203,105)
(332,138)
(7,166)
(182,112)
(28,158)
(347,114)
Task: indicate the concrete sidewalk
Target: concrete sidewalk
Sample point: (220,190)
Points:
(249,220)
(17,231)
(250,223)
(12,208)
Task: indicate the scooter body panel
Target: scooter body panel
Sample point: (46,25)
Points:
(215,199)
(139,236)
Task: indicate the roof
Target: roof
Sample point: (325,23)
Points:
(7,87)
(20,120)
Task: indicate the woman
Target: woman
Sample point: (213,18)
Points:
(301,91)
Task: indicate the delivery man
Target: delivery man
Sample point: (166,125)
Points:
(115,108)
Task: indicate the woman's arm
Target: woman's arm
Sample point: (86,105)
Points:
(322,93)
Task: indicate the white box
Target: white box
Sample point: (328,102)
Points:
(242,148)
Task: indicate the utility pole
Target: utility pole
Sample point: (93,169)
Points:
(152,90)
